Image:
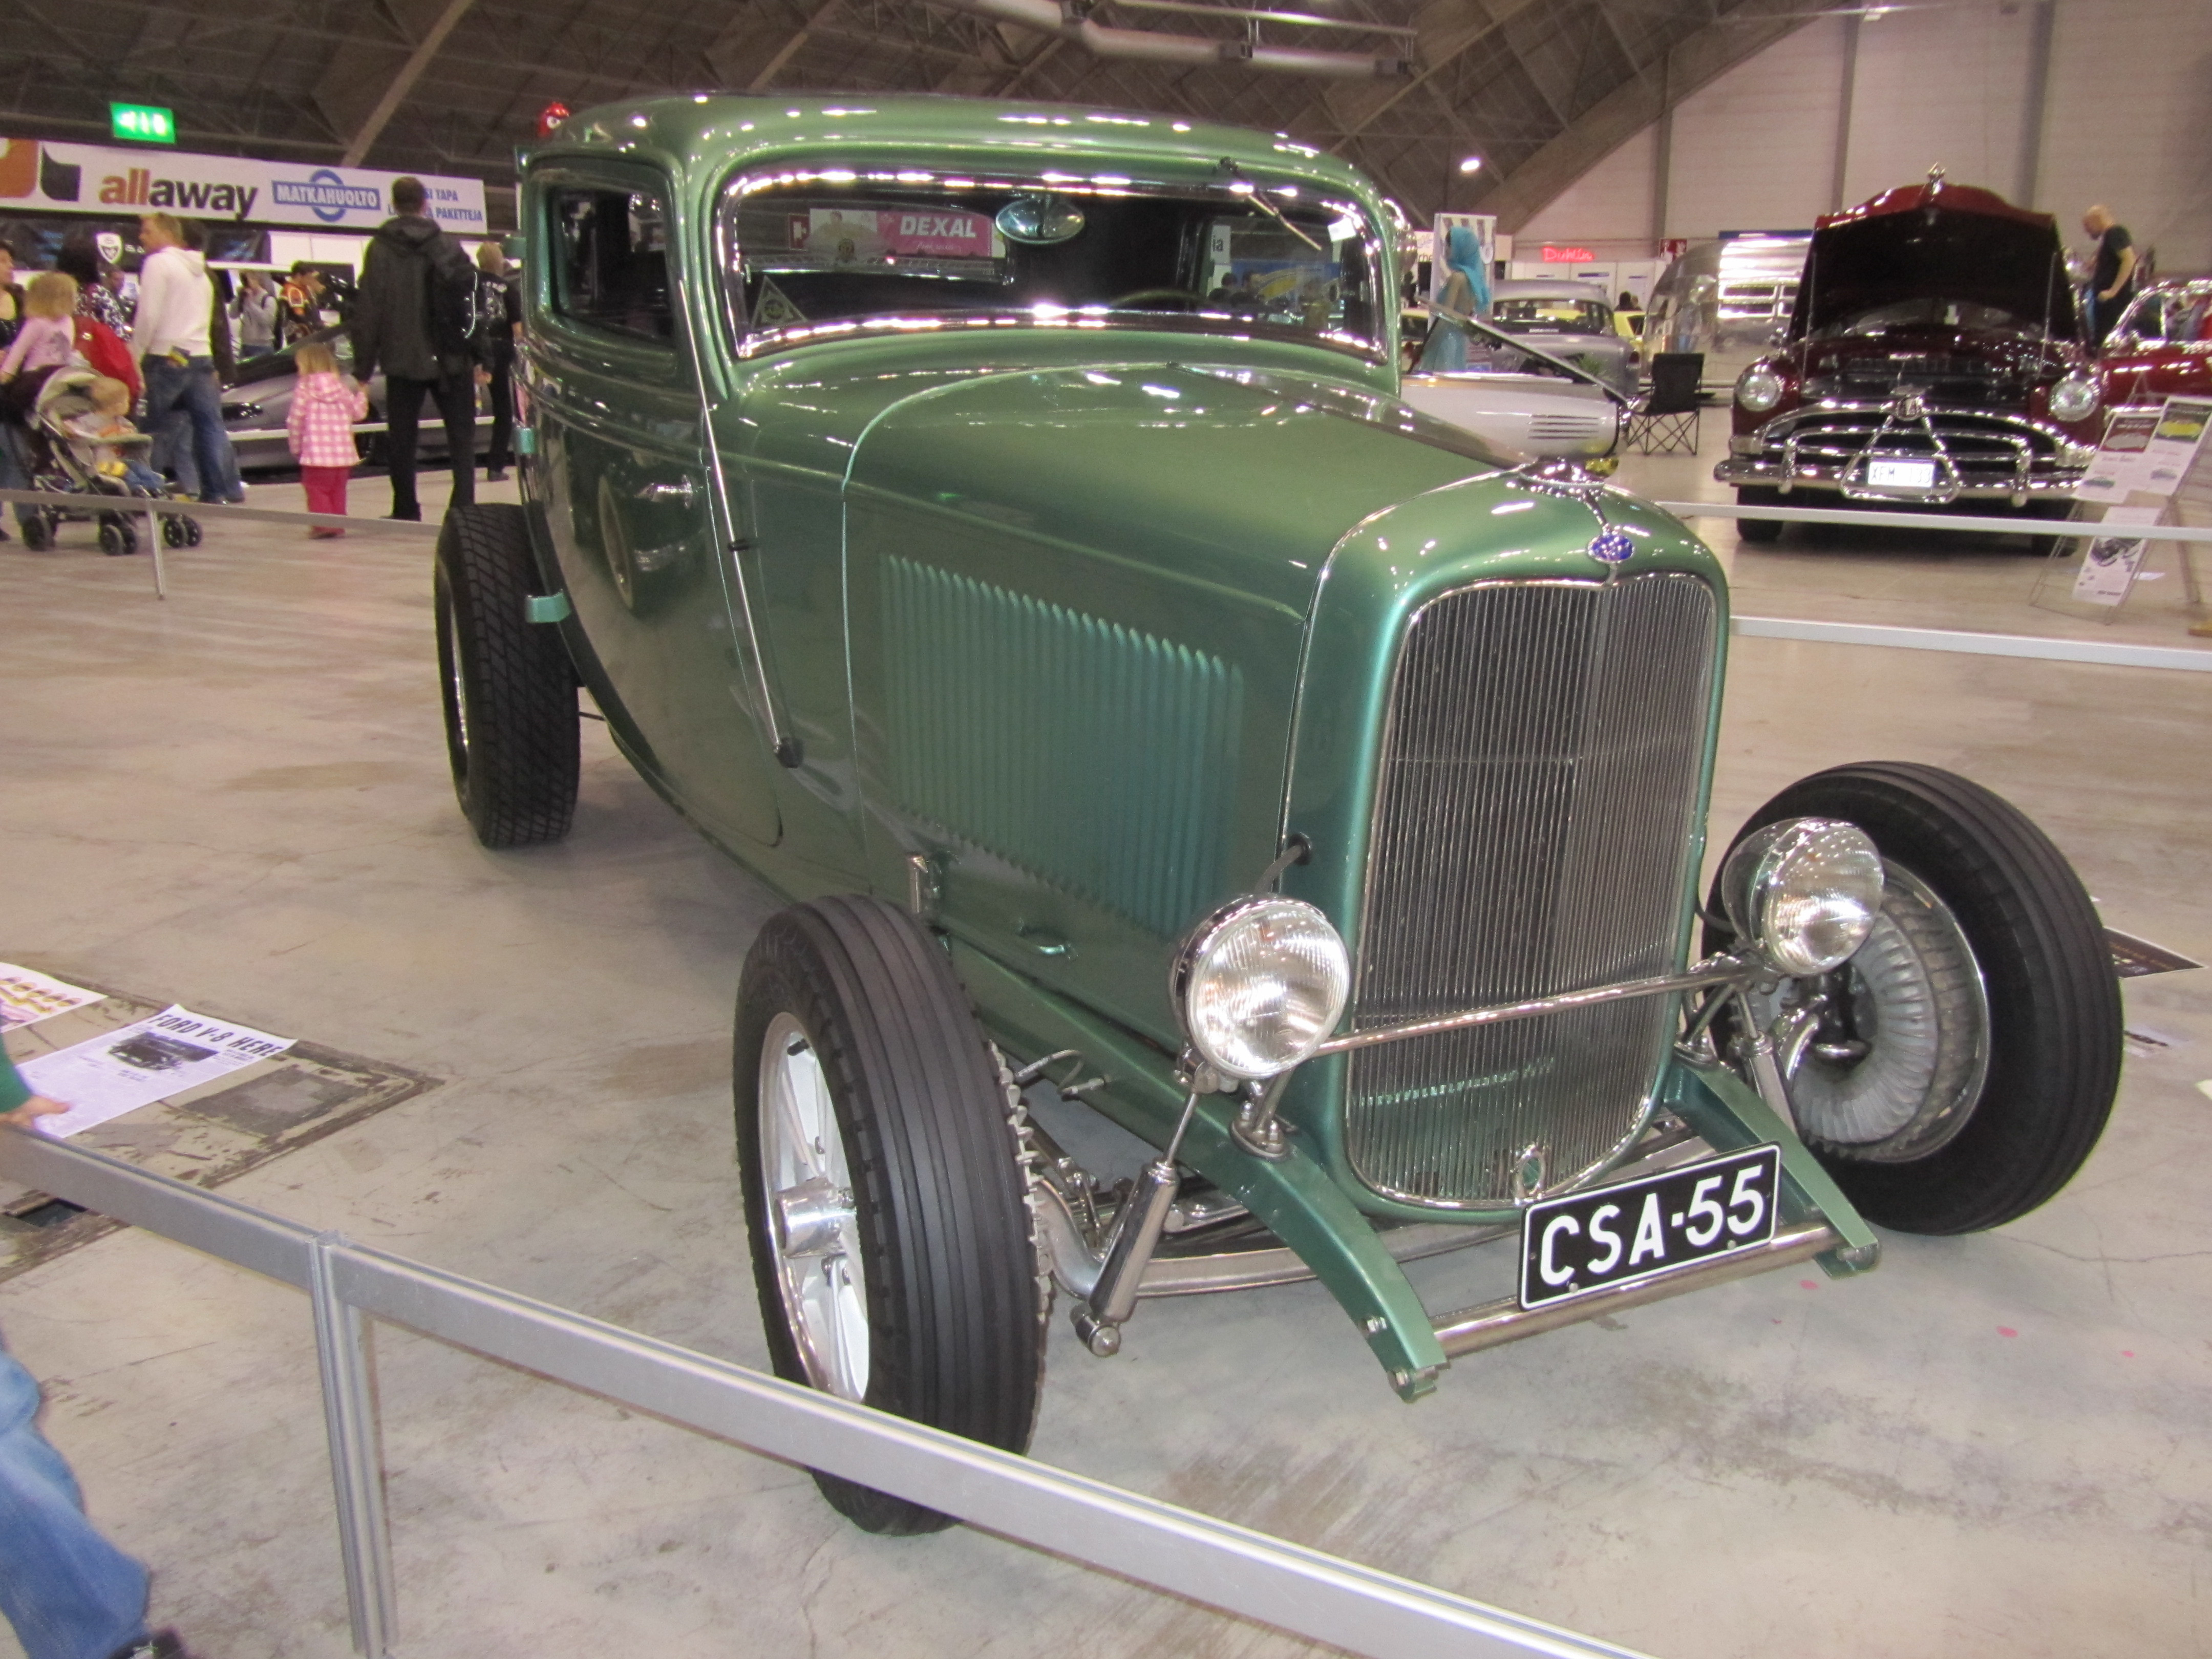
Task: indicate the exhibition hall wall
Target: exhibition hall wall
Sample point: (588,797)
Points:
(2128,99)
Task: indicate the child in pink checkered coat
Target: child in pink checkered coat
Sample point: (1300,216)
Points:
(324,406)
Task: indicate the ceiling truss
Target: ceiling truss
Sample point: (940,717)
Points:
(1539,89)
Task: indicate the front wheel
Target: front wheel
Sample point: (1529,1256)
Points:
(884,1196)
(509,692)
(1758,531)
(1958,1070)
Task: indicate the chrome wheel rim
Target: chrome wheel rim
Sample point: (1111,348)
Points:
(457,699)
(813,1227)
(1917,992)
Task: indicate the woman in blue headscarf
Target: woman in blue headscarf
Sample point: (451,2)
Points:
(1466,291)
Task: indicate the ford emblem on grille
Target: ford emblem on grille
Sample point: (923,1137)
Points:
(1613,547)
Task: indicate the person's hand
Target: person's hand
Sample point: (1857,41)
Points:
(36,1106)
(483,375)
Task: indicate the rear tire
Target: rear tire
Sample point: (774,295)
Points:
(2053,1002)
(884,1196)
(508,689)
(1758,530)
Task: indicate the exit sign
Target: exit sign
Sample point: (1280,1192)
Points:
(149,124)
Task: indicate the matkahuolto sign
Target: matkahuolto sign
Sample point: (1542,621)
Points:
(42,176)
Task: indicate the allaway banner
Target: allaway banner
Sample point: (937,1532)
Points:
(39,175)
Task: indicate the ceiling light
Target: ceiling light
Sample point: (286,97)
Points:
(1471,164)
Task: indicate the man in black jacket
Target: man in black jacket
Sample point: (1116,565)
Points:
(402,324)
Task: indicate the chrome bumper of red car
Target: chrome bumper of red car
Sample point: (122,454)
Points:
(1906,454)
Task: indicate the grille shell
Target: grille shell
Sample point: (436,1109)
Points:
(1533,827)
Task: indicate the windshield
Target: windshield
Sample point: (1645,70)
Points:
(1939,314)
(1547,316)
(838,252)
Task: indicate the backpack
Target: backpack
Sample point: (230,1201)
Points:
(450,286)
(101,347)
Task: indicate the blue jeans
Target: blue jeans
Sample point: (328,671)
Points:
(68,1591)
(187,401)
(16,467)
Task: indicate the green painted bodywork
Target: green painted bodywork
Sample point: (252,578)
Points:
(1085,620)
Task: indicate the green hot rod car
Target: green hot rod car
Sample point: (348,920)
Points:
(996,526)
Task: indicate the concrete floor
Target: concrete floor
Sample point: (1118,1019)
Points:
(238,798)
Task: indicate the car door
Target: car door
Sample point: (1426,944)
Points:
(623,451)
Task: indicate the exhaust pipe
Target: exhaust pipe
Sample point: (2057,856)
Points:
(1071,23)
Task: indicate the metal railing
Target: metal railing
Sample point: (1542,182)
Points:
(1248,1574)
(1967,642)
(171,506)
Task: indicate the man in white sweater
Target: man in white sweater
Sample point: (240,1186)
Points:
(176,305)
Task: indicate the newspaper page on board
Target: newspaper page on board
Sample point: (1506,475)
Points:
(2109,570)
(138,1064)
(2118,463)
(2173,444)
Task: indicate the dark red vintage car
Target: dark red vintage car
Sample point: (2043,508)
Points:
(1933,358)
(2160,348)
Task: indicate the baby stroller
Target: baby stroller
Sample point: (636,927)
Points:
(60,459)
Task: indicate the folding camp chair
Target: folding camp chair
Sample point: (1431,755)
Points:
(1665,419)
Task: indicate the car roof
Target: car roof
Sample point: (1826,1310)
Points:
(708,132)
(1551,287)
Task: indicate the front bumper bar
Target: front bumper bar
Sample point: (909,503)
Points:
(1494,1323)
(2056,484)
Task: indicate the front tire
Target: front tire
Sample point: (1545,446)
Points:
(1758,531)
(508,689)
(885,1197)
(1984,922)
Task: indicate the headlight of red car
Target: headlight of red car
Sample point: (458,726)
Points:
(1759,388)
(2074,398)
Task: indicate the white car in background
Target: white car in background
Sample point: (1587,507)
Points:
(1545,408)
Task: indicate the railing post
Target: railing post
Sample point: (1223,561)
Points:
(356,1471)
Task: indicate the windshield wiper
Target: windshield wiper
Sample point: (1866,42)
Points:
(1520,343)
(1252,193)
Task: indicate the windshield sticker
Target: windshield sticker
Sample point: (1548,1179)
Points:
(863,236)
(773,309)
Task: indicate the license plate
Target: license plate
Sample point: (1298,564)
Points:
(1902,474)
(1643,1230)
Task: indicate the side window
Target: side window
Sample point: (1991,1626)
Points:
(611,260)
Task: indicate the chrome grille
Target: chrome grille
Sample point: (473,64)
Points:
(1531,836)
(1986,448)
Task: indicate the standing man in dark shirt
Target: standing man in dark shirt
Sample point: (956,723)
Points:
(2112,282)
(403,324)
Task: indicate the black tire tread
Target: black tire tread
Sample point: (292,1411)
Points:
(1759,532)
(517,782)
(2055,1014)
(955,1339)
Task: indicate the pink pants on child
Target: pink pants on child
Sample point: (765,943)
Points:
(327,488)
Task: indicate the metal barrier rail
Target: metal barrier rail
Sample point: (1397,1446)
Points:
(1964,523)
(1321,1597)
(1966,642)
(171,506)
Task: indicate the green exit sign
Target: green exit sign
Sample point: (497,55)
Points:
(149,124)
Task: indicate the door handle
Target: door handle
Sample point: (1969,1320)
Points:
(668,495)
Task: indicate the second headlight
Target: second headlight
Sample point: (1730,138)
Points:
(1259,984)
(1804,892)
(2074,398)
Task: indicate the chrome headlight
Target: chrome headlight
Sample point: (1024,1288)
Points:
(1759,388)
(1260,983)
(1804,892)
(2074,398)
